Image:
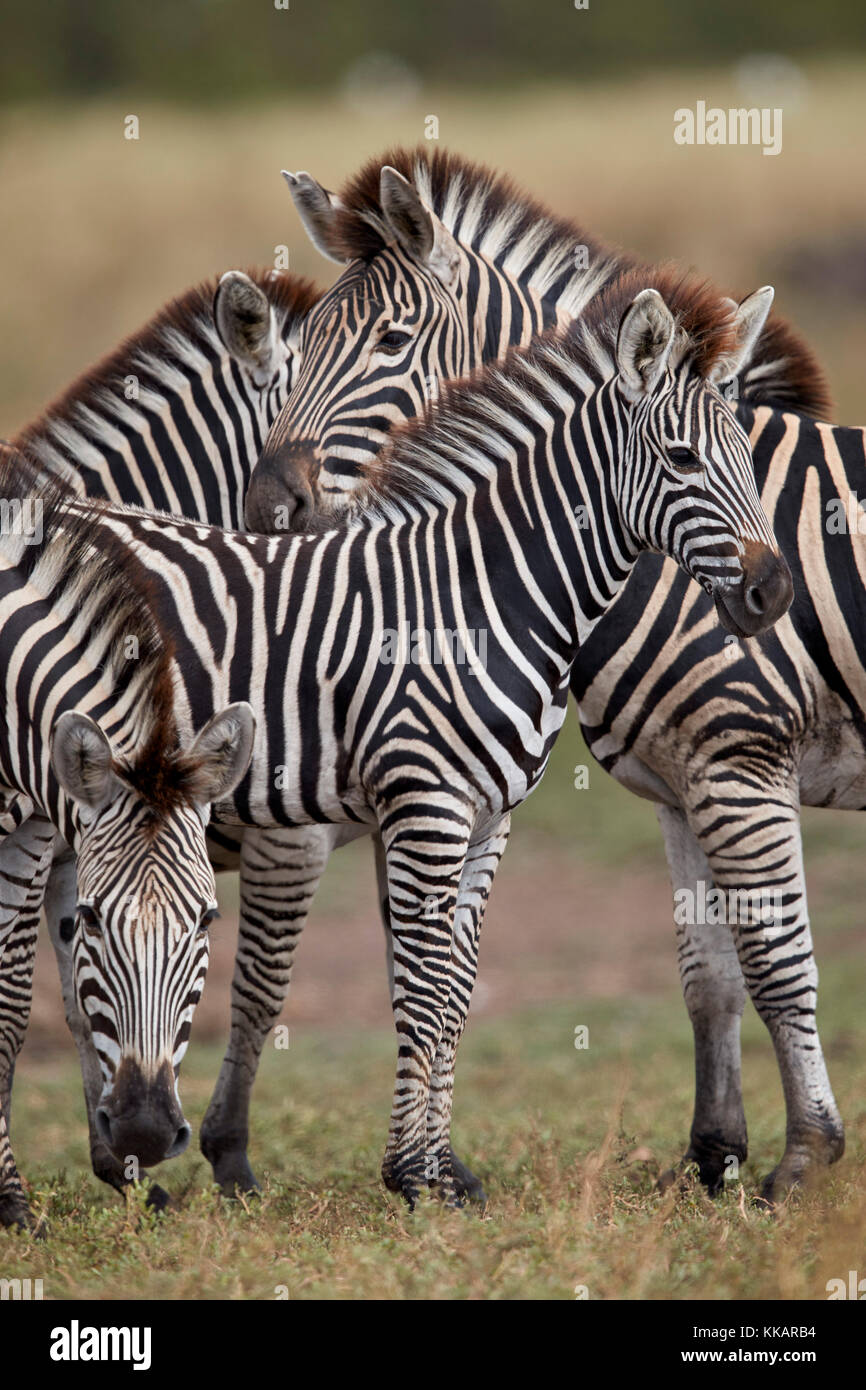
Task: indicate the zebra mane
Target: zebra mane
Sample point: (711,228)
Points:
(784,372)
(488,212)
(465,431)
(92,579)
(180,337)
(484,210)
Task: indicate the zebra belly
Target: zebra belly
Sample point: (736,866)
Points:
(833,767)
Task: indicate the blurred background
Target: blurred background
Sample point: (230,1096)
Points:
(577,104)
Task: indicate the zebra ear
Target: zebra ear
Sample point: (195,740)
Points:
(317,209)
(416,229)
(750,318)
(81,758)
(246,324)
(221,753)
(643,345)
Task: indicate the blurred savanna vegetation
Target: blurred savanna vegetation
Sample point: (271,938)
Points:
(97,232)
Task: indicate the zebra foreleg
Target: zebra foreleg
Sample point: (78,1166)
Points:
(715,994)
(25,858)
(425,866)
(280,872)
(482,861)
(756,859)
(466,1185)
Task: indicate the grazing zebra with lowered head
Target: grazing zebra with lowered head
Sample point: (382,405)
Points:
(174,420)
(90,750)
(445,261)
(477,523)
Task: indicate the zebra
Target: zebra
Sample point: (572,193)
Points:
(446,266)
(373,349)
(174,420)
(622,423)
(90,752)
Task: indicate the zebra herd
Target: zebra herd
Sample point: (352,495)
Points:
(485,425)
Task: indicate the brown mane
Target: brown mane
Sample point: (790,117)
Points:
(358,226)
(701,312)
(89,565)
(783,372)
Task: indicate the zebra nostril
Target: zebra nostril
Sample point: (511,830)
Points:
(181,1139)
(755,600)
(103,1125)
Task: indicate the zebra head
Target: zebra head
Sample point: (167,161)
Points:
(374,349)
(146,895)
(687,485)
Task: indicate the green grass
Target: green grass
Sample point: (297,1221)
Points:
(568,1142)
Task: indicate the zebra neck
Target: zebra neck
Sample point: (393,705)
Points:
(578,547)
(89,657)
(178,431)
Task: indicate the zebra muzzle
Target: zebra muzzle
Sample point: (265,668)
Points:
(761,598)
(280,496)
(141,1119)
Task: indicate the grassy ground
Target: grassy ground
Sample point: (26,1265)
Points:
(569,1143)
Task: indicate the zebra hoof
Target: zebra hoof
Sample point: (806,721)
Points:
(157,1199)
(235,1177)
(403,1180)
(16,1215)
(805,1162)
(467,1187)
(709,1172)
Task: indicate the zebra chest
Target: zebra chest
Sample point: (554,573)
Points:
(469,733)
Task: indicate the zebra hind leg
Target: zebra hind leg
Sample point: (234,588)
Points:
(280,872)
(466,1185)
(756,858)
(715,996)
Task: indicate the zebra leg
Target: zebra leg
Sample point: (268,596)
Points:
(466,1185)
(755,855)
(280,872)
(715,995)
(425,866)
(25,858)
(476,881)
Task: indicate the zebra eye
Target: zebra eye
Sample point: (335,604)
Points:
(681,456)
(88,916)
(207,917)
(394,340)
